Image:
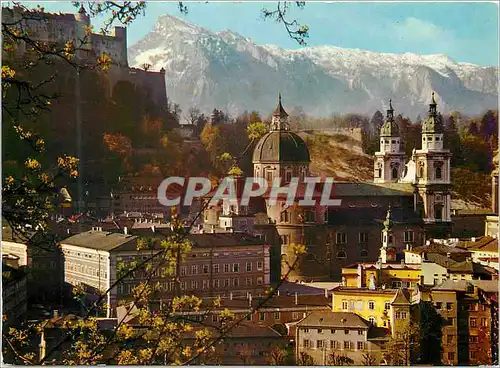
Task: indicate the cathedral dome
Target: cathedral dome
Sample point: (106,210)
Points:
(281,146)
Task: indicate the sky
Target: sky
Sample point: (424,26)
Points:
(464,31)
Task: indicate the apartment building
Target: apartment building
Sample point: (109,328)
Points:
(217,264)
(347,334)
(14,292)
(470,332)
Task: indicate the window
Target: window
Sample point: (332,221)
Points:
(307,343)
(341,254)
(276,315)
(236,282)
(285,216)
(346,332)
(449,306)
(332,331)
(236,267)
(438,172)
(472,354)
(249,267)
(183,270)
(319,344)
(396,284)
(438,211)
(449,339)
(215,318)
(306,330)
(259,281)
(334,344)
(344,305)
(285,239)
(450,321)
(205,268)
(360,332)
(226,267)
(288,176)
(409,236)
(371,305)
(295,315)
(194,269)
(248,281)
(262,316)
(400,315)
(484,322)
(194,284)
(341,238)
(473,322)
(451,355)
(439,305)
(361,345)
(387,305)
(473,339)
(269,175)
(363,237)
(216,283)
(309,216)
(373,321)
(320,331)
(226,283)
(347,345)
(259,265)
(394,173)
(205,284)
(249,317)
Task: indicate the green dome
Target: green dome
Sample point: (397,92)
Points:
(389,129)
(432,124)
(281,146)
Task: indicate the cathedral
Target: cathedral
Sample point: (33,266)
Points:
(413,196)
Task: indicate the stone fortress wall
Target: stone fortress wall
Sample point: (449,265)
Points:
(59,28)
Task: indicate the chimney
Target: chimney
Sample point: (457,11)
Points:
(125,230)
(296,299)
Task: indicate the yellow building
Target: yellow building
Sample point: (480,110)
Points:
(373,305)
(392,275)
(382,307)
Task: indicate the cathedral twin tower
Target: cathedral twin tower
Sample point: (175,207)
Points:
(428,168)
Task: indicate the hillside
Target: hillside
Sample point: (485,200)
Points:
(340,156)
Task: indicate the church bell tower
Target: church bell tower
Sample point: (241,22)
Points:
(433,176)
(389,160)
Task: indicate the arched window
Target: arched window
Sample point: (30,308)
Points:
(438,212)
(341,254)
(421,174)
(394,173)
(438,172)
(379,173)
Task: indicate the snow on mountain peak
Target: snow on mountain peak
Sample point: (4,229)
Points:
(227,70)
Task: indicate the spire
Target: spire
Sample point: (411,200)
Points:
(433,106)
(280,111)
(390,112)
(82,10)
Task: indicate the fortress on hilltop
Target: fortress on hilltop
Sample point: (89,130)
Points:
(59,28)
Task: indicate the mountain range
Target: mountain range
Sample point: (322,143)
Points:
(225,70)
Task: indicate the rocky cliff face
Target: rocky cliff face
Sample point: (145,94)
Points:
(228,71)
